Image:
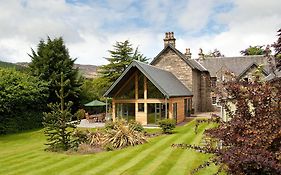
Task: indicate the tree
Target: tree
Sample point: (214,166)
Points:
(214,53)
(251,140)
(58,124)
(253,50)
(50,59)
(122,55)
(22,100)
(277,49)
(89,91)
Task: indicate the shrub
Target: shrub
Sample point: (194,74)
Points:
(137,126)
(109,125)
(80,114)
(22,100)
(167,125)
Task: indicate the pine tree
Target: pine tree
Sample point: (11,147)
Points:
(122,55)
(58,123)
(50,59)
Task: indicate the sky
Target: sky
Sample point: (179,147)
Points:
(91,27)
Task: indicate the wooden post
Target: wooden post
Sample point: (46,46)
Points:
(113,110)
(106,108)
(166,107)
(145,98)
(136,95)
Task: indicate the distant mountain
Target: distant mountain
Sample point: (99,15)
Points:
(88,71)
(12,65)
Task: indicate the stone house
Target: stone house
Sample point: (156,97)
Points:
(189,71)
(147,94)
(174,85)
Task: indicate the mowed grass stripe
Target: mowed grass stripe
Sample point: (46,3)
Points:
(171,154)
(99,158)
(18,159)
(186,158)
(135,159)
(142,160)
(118,161)
(30,166)
(89,162)
(14,152)
(55,166)
(155,162)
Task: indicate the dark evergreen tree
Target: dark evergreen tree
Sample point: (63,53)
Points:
(277,49)
(122,55)
(58,123)
(50,59)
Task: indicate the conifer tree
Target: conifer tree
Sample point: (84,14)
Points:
(58,123)
(122,55)
(50,59)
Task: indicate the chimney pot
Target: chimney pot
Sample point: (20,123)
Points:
(169,39)
(188,53)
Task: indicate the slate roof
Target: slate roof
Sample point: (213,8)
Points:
(165,81)
(237,65)
(191,62)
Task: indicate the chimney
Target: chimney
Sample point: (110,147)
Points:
(169,39)
(187,53)
(200,54)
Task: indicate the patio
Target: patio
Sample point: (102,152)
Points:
(86,124)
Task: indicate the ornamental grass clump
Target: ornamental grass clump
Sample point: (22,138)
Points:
(121,135)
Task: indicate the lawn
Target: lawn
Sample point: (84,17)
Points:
(24,154)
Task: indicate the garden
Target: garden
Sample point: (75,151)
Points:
(24,153)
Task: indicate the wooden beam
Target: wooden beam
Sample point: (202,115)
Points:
(145,88)
(140,100)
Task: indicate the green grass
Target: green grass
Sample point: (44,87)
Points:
(24,154)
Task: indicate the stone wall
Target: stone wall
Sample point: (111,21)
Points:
(171,62)
(196,91)
(197,82)
(205,88)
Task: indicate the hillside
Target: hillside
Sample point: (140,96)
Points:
(12,65)
(88,71)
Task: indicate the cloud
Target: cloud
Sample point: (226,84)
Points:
(90,28)
(248,23)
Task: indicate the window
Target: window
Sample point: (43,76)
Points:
(141,107)
(152,91)
(141,86)
(214,100)
(125,111)
(128,91)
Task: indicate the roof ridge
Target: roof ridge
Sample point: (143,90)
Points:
(152,66)
(247,56)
